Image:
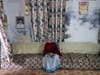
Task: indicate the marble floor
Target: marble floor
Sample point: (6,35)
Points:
(41,72)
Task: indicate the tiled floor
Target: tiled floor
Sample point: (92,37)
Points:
(41,72)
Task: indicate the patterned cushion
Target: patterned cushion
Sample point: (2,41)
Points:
(69,61)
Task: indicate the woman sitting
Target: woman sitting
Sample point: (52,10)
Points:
(51,59)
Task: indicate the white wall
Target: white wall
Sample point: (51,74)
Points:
(79,32)
(82,32)
(14,8)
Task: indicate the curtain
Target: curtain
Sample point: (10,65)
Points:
(5,50)
(1,7)
(48,17)
(39,20)
(5,47)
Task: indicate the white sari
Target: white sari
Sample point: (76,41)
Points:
(51,63)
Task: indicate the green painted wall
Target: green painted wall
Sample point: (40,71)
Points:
(32,48)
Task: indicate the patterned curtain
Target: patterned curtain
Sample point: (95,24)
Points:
(57,19)
(1,8)
(48,17)
(39,20)
(5,50)
(6,56)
